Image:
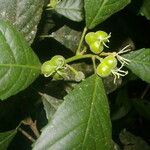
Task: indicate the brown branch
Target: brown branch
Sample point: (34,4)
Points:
(26,135)
(28,121)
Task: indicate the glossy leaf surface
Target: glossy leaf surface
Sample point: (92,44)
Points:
(81,122)
(72,9)
(23,14)
(19,65)
(140,63)
(96,11)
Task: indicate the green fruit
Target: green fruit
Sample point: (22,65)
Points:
(59,75)
(90,38)
(111,61)
(101,36)
(103,70)
(58,61)
(48,68)
(96,47)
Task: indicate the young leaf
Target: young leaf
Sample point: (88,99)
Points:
(19,14)
(51,104)
(19,66)
(81,122)
(6,138)
(96,11)
(140,63)
(72,9)
(145,11)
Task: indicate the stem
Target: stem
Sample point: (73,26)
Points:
(72,69)
(26,135)
(84,50)
(77,57)
(106,54)
(94,64)
(32,125)
(81,41)
(34,129)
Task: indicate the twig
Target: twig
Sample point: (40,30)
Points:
(26,135)
(78,51)
(34,129)
(32,125)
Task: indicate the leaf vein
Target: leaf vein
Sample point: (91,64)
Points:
(90,112)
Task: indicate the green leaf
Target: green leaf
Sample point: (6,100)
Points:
(19,14)
(96,11)
(145,9)
(6,138)
(19,66)
(72,9)
(81,122)
(140,63)
(51,104)
(132,142)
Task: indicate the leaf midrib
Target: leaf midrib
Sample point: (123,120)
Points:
(91,109)
(8,137)
(97,13)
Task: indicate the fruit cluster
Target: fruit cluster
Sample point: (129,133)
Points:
(56,67)
(97,41)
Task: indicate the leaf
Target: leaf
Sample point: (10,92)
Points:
(19,14)
(96,11)
(140,63)
(72,9)
(109,84)
(132,142)
(51,104)
(81,122)
(122,105)
(6,138)
(19,65)
(145,11)
(143,108)
(71,40)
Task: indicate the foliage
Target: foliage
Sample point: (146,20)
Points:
(76,124)
(19,14)
(81,82)
(6,138)
(19,66)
